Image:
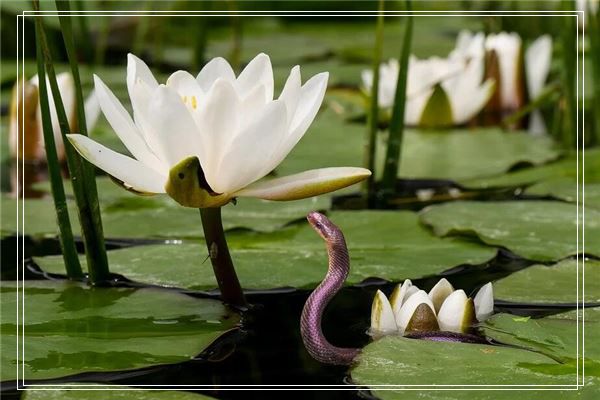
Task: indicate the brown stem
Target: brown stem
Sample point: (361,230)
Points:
(229,285)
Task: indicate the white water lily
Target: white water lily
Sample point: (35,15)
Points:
(26,138)
(587,6)
(205,140)
(412,310)
(514,87)
(440,91)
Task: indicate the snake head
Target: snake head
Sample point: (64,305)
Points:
(324,227)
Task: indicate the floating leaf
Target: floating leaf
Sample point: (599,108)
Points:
(537,230)
(551,284)
(383,244)
(108,392)
(566,189)
(558,336)
(71,328)
(564,168)
(399,361)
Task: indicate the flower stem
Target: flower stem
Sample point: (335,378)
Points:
(229,285)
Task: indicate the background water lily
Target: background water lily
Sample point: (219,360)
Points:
(26,141)
(204,140)
(440,91)
(412,310)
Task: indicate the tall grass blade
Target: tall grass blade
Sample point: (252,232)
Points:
(82,174)
(570,54)
(67,242)
(594,35)
(394,145)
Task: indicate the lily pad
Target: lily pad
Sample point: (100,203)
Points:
(566,189)
(564,168)
(388,245)
(399,361)
(126,215)
(557,336)
(552,284)
(110,392)
(537,230)
(468,154)
(71,328)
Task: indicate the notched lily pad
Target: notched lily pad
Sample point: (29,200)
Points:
(566,189)
(552,284)
(71,328)
(537,230)
(388,245)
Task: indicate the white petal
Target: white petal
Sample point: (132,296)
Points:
(139,77)
(399,295)
(219,122)
(452,312)
(305,184)
(484,302)
(537,126)
(311,97)
(131,172)
(187,87)
(244,158)
(216,68)
(382,317)
(415,106)
(92,111)
(408,308)
(507,47)
(258,72)
(440,292)
(537,65)
(123,125)
(366,76)
(252,105)
(291,92)
(174,133)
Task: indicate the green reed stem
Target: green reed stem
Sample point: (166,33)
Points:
(218,251)
(394,145)
(594,35)
(569,76)
(373,117)
(67,242)
(82,174)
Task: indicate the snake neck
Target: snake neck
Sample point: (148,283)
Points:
(310,325)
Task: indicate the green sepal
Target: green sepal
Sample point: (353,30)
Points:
(187,186)
(438,110)
(422,320)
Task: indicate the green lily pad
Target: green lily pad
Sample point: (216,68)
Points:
(557,336)
(551,284)
(566,189)
(537,230)
(399,361)
(109,393)
(388,245)
(564,168)
(468,154)
(71,328)
(126,215)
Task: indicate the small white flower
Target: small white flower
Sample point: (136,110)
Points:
(443,309)
(25,104)
(205,140)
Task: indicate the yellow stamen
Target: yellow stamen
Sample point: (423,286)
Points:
(194,102)
(185,99)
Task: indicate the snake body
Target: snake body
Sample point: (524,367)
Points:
(339,266)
